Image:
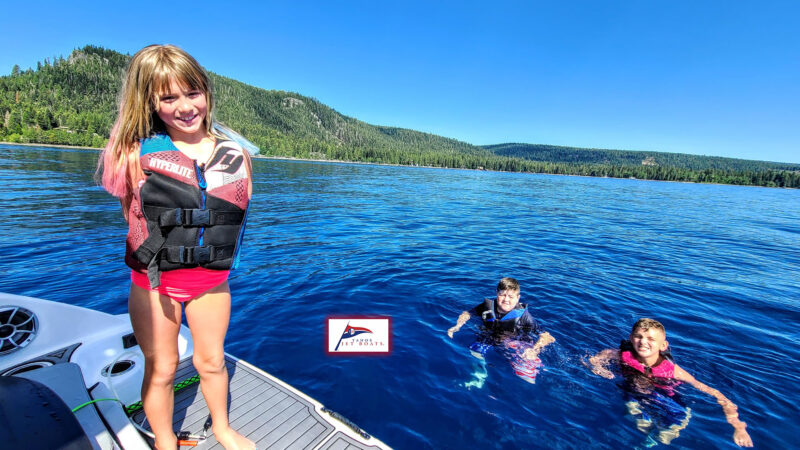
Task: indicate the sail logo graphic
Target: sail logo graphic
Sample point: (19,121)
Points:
(358,335)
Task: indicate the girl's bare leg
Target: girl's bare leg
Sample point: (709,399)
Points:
(208,317)
(156,320)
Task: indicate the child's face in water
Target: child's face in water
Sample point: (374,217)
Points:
(507,300)
(648,343)
(183,110)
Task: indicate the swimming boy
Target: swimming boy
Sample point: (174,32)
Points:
(645,361)
(508,320)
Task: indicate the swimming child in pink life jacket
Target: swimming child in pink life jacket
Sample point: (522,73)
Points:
(645,360)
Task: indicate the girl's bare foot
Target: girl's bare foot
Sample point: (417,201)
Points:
(232,440)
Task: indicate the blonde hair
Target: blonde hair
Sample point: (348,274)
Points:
(149,73)
(645,324)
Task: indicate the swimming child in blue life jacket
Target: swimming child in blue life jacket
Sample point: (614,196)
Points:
(510,327)
(650,377)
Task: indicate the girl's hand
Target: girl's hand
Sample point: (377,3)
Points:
(603,372)
(598,366)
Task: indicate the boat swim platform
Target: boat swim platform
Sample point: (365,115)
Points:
(265,410)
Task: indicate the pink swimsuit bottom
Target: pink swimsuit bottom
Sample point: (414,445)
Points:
(183,284)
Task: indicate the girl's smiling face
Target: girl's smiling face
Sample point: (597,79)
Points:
(183,111)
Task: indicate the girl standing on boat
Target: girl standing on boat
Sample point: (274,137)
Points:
(184,188)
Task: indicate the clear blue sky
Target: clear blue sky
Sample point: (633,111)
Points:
(703,77)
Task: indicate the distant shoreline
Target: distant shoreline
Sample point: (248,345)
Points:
(284,158)
(26,144)
(291,158)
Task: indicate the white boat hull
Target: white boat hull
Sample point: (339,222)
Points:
(64,340)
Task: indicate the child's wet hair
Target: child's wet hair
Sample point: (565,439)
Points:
(645,324)
(508,284)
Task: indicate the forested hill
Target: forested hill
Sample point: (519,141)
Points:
(577,155)
(73,100)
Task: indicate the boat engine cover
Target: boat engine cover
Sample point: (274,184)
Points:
(34,417)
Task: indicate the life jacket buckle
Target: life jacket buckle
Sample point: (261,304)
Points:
(201,217)
(183,254)
(203,254)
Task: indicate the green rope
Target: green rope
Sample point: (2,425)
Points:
(94,401)
(133,407)
(187,382)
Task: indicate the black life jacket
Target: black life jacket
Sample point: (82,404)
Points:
(194,215)
(508,323)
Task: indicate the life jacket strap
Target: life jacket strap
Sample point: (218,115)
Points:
(171,217)
(197,255)
(148,253)
(192,256)
(153,274)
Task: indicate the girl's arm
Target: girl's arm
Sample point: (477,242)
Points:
(599,362)
(740,436)
(462,319)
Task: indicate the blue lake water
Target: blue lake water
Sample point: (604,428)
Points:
(718,265)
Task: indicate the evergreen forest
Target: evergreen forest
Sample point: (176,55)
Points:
(72,101)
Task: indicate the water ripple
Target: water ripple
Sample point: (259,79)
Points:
(718,265)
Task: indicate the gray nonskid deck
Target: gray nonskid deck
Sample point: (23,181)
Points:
(266,412)
(341,441)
